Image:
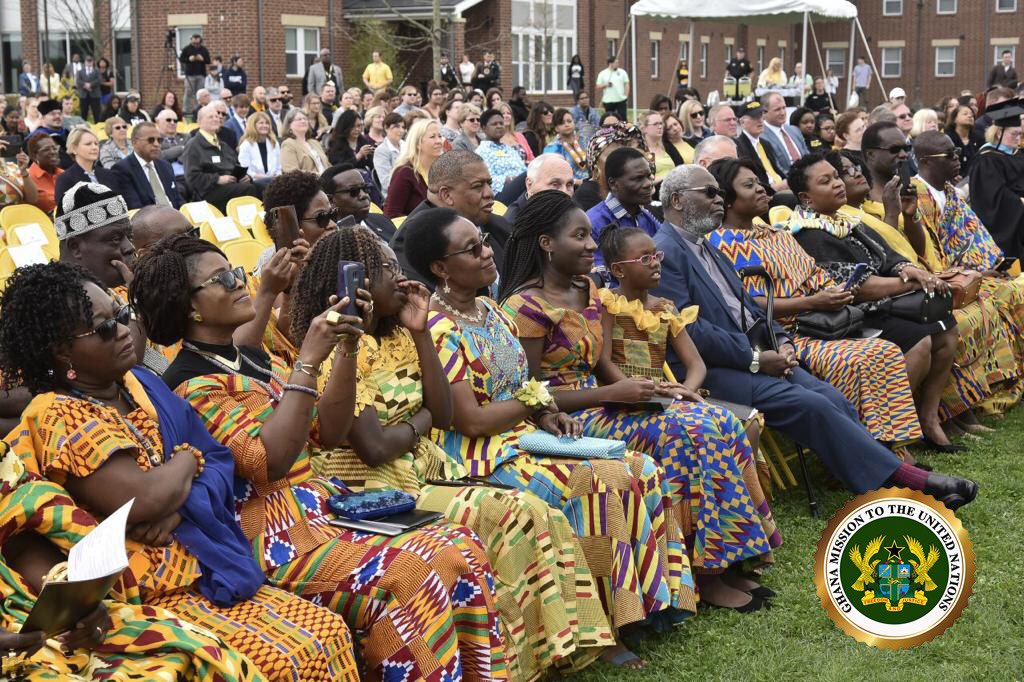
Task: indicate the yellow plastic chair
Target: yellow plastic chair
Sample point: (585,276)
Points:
(6,268)
(238,209)
(374,208)
(16,221)
(260,233)
(244,252)
(499,208)
(197,211)
(779,214)
(398,221)
(100,130)
(209,231)
(182,127)
(189,127)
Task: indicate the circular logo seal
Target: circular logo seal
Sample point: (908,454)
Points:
(894,568)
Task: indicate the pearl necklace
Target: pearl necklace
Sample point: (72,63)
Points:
(234,367)
(475,318)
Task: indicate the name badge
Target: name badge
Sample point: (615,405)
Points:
(215,159)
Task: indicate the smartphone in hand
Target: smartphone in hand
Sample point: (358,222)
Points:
(351,278)
(858,272)
(286,227)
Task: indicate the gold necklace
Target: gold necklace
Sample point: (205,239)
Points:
(476,318)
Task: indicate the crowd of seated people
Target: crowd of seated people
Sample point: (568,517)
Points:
(530,271)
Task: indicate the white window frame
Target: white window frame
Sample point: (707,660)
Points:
(760,58)
(655,59)
(938,50)
(684,51)
(704,60)
(728,53)
(301,50)
(939,10)
(999,49)
(613,47)
(1011,8)
(838,67)
(885,60)
(182,37)
(888,13)
(557,46)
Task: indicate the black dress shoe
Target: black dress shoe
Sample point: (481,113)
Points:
(951,491)
(755,604)
(948,448)
(762,592)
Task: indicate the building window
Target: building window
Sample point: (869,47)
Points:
(728,53)
(10,57)
(543,42)
(655,58)
(1006,5)
(892,8)
(301,47)
(703,60)
(760,58)
(183,36)
(684,51)
(835,59)
(998,51)
(892,62)
(945,61)
(946,6)
(123,60)
(613,47)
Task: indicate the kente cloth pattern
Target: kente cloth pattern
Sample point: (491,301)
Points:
(957,230)
(144,642)
(985,372)
(871,373)
(275,341)
(703,449)
(601,499)
(286,637)
(420,603)
(525,539)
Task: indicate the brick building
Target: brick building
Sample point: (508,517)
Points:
(929,47)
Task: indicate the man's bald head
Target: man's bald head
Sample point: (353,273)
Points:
(449,169)
(150,224)
(712,149)
(931,142)
(549,171)
(208,118)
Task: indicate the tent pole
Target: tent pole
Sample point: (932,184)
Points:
(849,70)
(871,58)
(817,52)
(803,60)
(633,85)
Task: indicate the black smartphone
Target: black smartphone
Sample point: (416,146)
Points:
(351,277)
(14,143)
(858,272)
(286,227)
(239,172)
(905,186)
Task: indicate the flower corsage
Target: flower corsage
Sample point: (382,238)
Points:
(534,394)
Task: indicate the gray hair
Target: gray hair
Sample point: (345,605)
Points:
(883,112)
(767,97)
(705,146)
(714,111)
(693,220)
(286,124)
(533,170)
(679,178)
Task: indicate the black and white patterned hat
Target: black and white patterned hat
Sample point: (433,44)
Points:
(86,207)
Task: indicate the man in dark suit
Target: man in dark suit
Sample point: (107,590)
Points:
(1003,73)
(143,177)
(346,187)
(749,145)
(806,409)
(87,82)
(238,112)
(210,165)
(28,82)
(459,179)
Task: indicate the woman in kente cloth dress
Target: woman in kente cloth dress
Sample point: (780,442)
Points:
(702,448)
(871,373)
(108,433)
(495,405)
(421,603)
(401,394)
(984,358)
(116,640)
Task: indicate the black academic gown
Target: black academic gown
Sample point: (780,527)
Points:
(997,185)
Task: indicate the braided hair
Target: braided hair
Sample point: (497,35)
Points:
(613,241)
(42,306)
(161,290)
(545,213)
(318,280)
(294,188)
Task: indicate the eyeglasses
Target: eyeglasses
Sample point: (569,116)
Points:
(895,149)
(323,218)
(394,267)
(851,171)
(710,191)
(904,116)
(119,127)
(647,259)
(274,99)
(151,140)
(477,247)
(229,279)
(472,120)
(107,329)
(355,191)
(697,114)
(169,120)
(949,156)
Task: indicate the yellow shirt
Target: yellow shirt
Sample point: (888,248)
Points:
(210,137)
(377,75)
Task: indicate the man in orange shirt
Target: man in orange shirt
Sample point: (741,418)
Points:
(44,170)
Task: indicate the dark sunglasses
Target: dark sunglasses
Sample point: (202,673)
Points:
(107,329)
(697,114)
(472,120)
(896,148)
(229,279)
(274,99)
(477,247)
(170,120)
(151,140)
(324,218)
(355,191)
(119,127)
(710,191)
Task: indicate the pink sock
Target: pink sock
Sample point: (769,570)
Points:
(909,476)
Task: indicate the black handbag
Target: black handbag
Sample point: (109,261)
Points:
(832,324)
(918,306)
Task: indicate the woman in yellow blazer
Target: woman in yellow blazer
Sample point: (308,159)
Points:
(299,151)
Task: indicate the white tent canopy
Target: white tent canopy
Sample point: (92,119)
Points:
(752,11)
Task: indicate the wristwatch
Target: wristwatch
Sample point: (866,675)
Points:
(307,369)
(755,363)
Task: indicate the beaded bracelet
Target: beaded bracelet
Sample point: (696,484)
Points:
(195,452)
(302,389)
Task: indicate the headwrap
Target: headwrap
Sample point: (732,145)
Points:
(617,132)
(86,207)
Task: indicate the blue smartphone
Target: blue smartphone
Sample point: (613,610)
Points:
(858,272)
(351,278)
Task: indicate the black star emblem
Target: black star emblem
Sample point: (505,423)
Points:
(894,551)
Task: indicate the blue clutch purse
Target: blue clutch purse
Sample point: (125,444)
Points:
(371,504)
(544,443)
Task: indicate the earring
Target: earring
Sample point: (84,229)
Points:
(197,317)
(447,289)
(71,374)
(549,256)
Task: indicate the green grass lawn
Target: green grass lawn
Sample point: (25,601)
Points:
(796,640)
